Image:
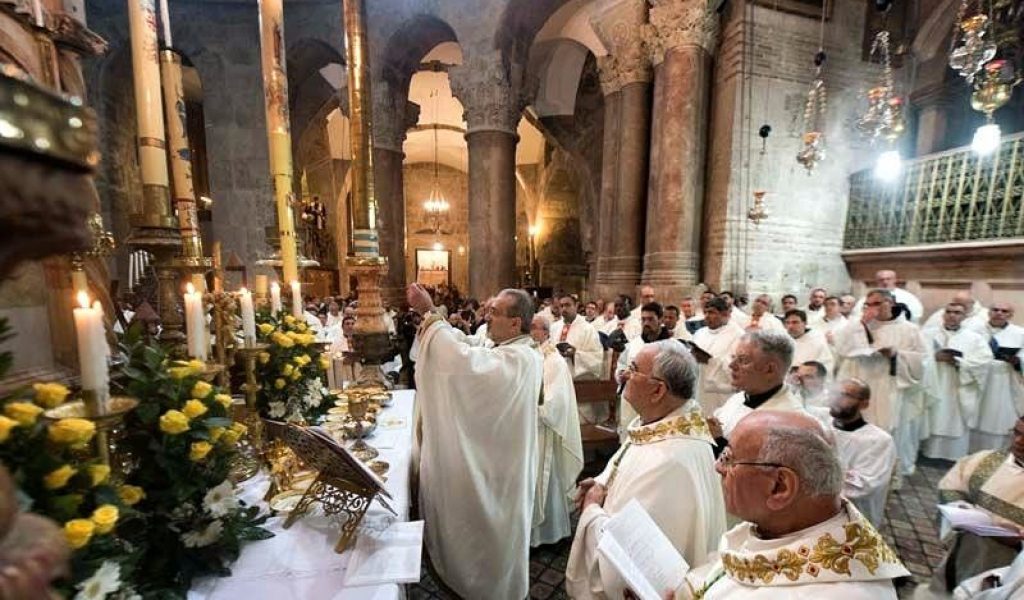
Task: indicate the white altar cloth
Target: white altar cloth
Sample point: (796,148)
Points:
(300,563)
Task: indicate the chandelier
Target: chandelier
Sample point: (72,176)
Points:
(757,212)
(884,117)
(969,50)
(436,206)
(813,150)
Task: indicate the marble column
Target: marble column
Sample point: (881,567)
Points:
(626,78)
(394,115)
(493,101)
(679,36)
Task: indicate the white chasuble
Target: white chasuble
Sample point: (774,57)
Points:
(842,558)
(715,383)
(1002,394)
(990,480)
(478,461)
(669,467)
(953,391)
(868,456)
(813,346)
(559,452)
(587,362)
(785,399)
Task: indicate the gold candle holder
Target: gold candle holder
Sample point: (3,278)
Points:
(105,415)
(354,427)
(256,454)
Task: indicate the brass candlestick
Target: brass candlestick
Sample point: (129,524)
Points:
(106,418)
(255,454)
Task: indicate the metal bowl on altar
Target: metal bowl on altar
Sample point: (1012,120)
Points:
(358,429)
(382,399)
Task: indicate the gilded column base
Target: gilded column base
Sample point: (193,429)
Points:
(372,342)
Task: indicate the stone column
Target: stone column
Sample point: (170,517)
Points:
(394,116)
(609,180)
(680,34)
(619,24)
(492,96)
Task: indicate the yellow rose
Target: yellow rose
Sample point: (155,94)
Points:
(264,357)
(224,400)
(266,328)
(279,383)
(296,374)
(201,390)
(74,432)
(25,413)
(282,340)
(325,363)
(199,451)
(57,479)
(239,428)
(302,360)
(287,369)
(174,422)
(105,517)
(230,437)
(194,408)
(6,425)
(50,394)
(78,532)
(215,433)
(300,327)
(99,473)
(131,494)
(289,319)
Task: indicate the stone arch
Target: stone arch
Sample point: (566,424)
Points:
(406,47)
(558,67)
(308,90)
(519,24)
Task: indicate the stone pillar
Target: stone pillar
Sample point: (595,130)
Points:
(680,35)
(491,92)
(394,115)
(626,79)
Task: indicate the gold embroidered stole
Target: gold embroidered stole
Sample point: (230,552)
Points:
(986,469)
(689,425)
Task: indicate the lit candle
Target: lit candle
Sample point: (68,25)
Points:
(275,298)
(92,350)
(248,317)
(199,282)
(165,20)
(261,285)
(296,300)
(195,323)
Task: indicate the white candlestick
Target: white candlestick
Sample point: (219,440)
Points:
(296,300)
(195,324)
(248,317)
(275,298)
(92,349)
(165,20)
(37,12)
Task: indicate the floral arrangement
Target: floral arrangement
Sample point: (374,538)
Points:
(291,371)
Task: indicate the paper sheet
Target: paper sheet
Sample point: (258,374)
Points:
(968,518)
(640,552)
(388,556)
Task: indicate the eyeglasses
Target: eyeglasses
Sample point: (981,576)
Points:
(876,303)
(633,372)
(727,461)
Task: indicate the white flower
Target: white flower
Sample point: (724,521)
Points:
(106,580)
(209,535)
(220,500)
(276,410)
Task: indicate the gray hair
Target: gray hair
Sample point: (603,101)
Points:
(522,307)
(544,323)
(676,367)
(808,453)
(775,344)
(887,294)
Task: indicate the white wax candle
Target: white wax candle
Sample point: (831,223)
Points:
(199,282)
(165,20)
(195,324)
(296,300)
(92,349)
(248,317)
(131,271)
(275,298)
(261,285)
(37,12)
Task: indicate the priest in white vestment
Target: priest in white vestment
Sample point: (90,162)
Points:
(652,330)
(675,326)
(801,539)
(1002,395)
(808,344)
(478,449)
(606,322)
(954,371)
(809,381)
(559,445)
(759,366)
(887,352)
(667,465)
(976,317)
(715,341)
(867,453)
(886,280)
(991,482)
(832,321)
(577,341)
(693,314)
(761,317)
(736,314)
(815,309)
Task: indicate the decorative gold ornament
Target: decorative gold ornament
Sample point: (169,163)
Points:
(757,212)
(971,50)
(884,117)
(994,88)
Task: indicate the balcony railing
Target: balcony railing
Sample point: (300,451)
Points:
(954,196)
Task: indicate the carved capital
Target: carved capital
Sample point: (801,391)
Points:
(493,93)
(620,24)
(393,116)
(675,23)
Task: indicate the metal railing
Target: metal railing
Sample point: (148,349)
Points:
(953,196)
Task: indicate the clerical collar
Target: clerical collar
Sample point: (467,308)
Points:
(957,328)
(854,426)
(997,326)
(663,334)
(755,400)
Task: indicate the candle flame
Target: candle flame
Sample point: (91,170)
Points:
(243,291)
(295,283)
(83,299)
(275,286)
(190,288)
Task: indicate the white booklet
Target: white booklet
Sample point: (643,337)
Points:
(968,518)
(388,556)
(634,544)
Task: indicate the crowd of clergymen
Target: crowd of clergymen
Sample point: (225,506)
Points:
(790,427)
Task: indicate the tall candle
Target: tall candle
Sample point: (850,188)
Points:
(165,20)
(195,324)
(199,282)
(92,349)
(248,317)
(275,298)
(296,300)
(37,12)
(261,285)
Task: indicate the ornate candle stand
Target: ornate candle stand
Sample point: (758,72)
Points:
(223,332)
(105,418)
(256,454)
(371,339)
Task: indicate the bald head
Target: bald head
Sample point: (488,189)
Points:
(886,279)
(762,422)
(964,297)
(646,295)
(999,314)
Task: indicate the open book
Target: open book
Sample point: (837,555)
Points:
(642,555)
(967,518)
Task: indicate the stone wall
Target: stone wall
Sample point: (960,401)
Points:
(763,68)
